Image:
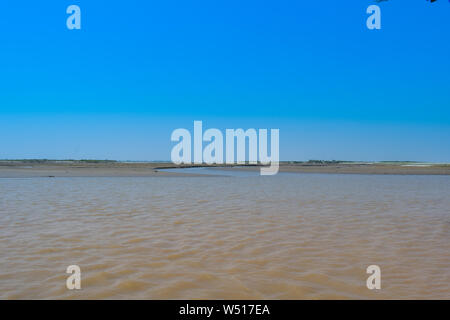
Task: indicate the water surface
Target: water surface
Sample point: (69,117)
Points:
(294,236)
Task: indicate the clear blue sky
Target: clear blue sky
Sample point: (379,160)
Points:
(139,69)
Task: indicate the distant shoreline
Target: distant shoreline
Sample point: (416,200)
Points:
(108,168)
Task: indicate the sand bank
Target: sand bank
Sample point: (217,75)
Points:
(28,169)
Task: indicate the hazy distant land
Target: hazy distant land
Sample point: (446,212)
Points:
(108,168)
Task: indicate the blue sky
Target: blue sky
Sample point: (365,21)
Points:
(137,70)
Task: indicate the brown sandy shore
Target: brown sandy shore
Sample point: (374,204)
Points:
(33,168)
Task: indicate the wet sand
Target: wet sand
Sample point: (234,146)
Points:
(365,168)
(24,169)
(28,169)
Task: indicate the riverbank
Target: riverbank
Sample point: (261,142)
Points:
(47,168)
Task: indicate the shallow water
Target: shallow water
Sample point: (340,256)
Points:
(291,236)
(216,171)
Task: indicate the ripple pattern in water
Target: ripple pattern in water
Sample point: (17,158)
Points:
(297,236)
